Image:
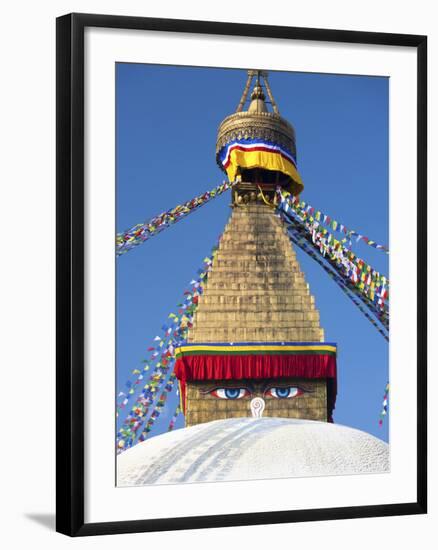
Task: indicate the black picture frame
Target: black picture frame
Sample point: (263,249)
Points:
(70,272)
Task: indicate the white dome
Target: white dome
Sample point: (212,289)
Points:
(247,448)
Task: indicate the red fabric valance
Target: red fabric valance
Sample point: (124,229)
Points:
(238,367)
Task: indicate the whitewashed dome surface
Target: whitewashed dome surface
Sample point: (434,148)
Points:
(248,448)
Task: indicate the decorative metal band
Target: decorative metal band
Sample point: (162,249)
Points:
(268,126)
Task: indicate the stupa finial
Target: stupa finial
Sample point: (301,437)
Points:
(257,145)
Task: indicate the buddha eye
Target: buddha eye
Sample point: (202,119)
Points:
(230,393)
(285,392)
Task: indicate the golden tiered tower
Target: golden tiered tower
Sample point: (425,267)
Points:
(256,297)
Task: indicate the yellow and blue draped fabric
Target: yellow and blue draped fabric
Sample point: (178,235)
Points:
(258,153)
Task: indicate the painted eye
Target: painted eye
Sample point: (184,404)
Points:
(230,393)
(285,392)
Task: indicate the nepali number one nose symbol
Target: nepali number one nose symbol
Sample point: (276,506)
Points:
(257,407)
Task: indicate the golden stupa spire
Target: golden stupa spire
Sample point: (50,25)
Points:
(256,325)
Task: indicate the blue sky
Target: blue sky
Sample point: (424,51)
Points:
(167,119)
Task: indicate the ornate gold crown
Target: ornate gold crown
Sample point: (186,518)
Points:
(257,123)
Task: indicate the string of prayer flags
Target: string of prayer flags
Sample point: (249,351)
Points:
(302,242)
(342,265)
(305,210)
(143,231)
(150,402)
(372,284)
(163,350)
(174,418)
(385,405)
(380,310)
(159,408)
(157,377)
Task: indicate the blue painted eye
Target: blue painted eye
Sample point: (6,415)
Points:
(285,392)
(282,392)
(230,393)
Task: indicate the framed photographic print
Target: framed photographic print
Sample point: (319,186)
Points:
(241,267)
